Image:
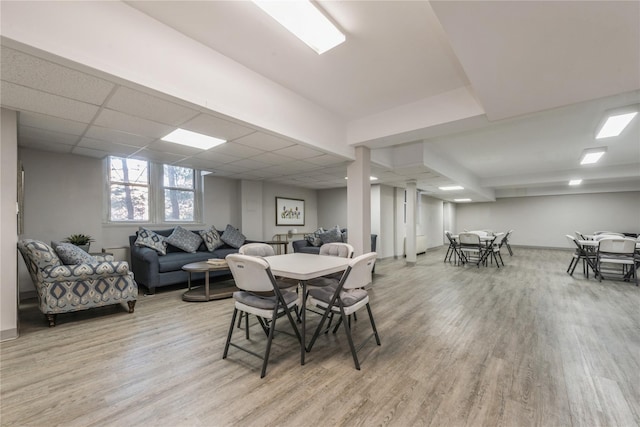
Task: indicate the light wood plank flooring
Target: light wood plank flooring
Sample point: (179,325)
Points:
(523,345)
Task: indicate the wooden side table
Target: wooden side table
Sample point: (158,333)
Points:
(200,293)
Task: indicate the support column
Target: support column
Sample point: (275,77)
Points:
(359,201)
(410,242)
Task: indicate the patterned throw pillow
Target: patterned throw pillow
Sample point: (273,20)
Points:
(184,239)
(330,236)
(41,254)
(151,239)
(314,238)
(71,254)
(232,237)
(211,238)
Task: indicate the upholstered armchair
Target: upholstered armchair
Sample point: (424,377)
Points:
(65,288)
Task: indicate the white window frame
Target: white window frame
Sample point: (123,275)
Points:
(156,197)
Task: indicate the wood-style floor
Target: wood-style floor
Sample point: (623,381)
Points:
(523,345)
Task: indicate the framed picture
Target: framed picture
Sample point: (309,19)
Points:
(289,211)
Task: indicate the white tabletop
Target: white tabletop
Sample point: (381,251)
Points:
(301,266)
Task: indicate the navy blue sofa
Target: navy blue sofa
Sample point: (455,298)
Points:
(154,271)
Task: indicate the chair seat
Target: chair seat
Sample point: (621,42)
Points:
(262,301)
(352,299)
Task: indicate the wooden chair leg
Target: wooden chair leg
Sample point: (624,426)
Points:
(132,305)
(52,320)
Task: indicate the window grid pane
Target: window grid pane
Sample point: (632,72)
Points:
(128,171)
(178,177)
(129,203)
(178,205)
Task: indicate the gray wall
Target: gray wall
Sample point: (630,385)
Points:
(332,207)
(64,194)
(543,221)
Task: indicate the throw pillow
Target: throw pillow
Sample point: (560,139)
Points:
(211,238)
(184,239)
(232,237)
(71,254)
(330,236)
(151,239)
(314,238)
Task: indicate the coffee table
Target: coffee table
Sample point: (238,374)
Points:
(200,293)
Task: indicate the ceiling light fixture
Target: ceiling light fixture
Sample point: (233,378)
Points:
(451,188)
(615,124)
(592,155)
(461,200)
(192,139)
(305,21)
(371,178)
(575,182)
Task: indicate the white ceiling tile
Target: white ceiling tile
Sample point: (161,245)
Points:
(44,146)
(273,159)
(216,127)
(232,168)
(149,107)
(27,70)
(21,98)
(236,150)
(299,152)
(265,142)
(47,136)
(217,158)
(107,146)
(51,123)
(251,163)
(157,156)
(113,135)
(170,147)
(89,152)
(326,160)
(124,122)
(288,168)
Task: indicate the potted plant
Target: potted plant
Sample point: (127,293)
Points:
(83,241)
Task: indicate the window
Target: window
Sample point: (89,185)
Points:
(179,193)
(142,191)
(129,189)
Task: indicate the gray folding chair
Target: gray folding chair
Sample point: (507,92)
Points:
(616,256)
(345,299)
(261,296)
(471,248)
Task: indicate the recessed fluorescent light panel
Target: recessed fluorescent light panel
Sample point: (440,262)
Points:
(461,200)
(193,139)
(614,125)
(451,188)
(371,178)
(575,182)
(305,21)
(592,155)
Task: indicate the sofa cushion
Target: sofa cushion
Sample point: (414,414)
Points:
(151,239)
(331,236)
(184,239)
(309,250)
(314,238)
(71,254)
(233,237)
(211,239)
(222,252)
(40,253)
(173,261)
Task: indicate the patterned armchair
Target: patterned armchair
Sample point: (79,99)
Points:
(66,288)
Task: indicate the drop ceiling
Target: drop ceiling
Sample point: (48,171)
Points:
(538,95)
